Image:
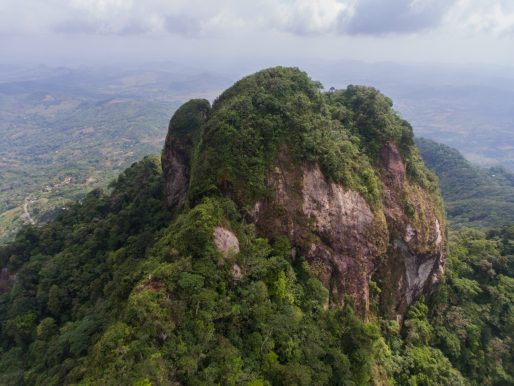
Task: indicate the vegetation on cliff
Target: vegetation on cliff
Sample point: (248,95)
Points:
(109,293)
(342,131)
(121,289)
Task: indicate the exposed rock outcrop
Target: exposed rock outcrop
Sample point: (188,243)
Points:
(176,156)
(383,224)
(417,247)
(237,274)
(333,227)
(226,241)
(177,171)
(347,242)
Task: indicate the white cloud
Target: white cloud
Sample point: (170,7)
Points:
(103,8)
(313,17)
(495,19)
(210,18)
(483,17)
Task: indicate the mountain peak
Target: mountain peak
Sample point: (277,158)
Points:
(336,172)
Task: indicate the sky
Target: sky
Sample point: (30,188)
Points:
(258,32)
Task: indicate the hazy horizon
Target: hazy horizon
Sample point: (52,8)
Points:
(242,34)
(448,65)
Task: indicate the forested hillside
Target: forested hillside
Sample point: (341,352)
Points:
(109,294)
(160,282)
(77,274)
(473,196)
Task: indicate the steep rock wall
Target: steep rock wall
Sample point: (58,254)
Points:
(176,156)
(337,173)
(346,241)
(417,241)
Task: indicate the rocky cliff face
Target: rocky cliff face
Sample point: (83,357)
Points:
(333,227)
(417,248)
(176,156)
(337,173)
(346,241)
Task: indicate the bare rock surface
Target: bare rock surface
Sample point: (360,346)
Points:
(178,148)
(226,241)
(347,242)
(237,274)
(176,171)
